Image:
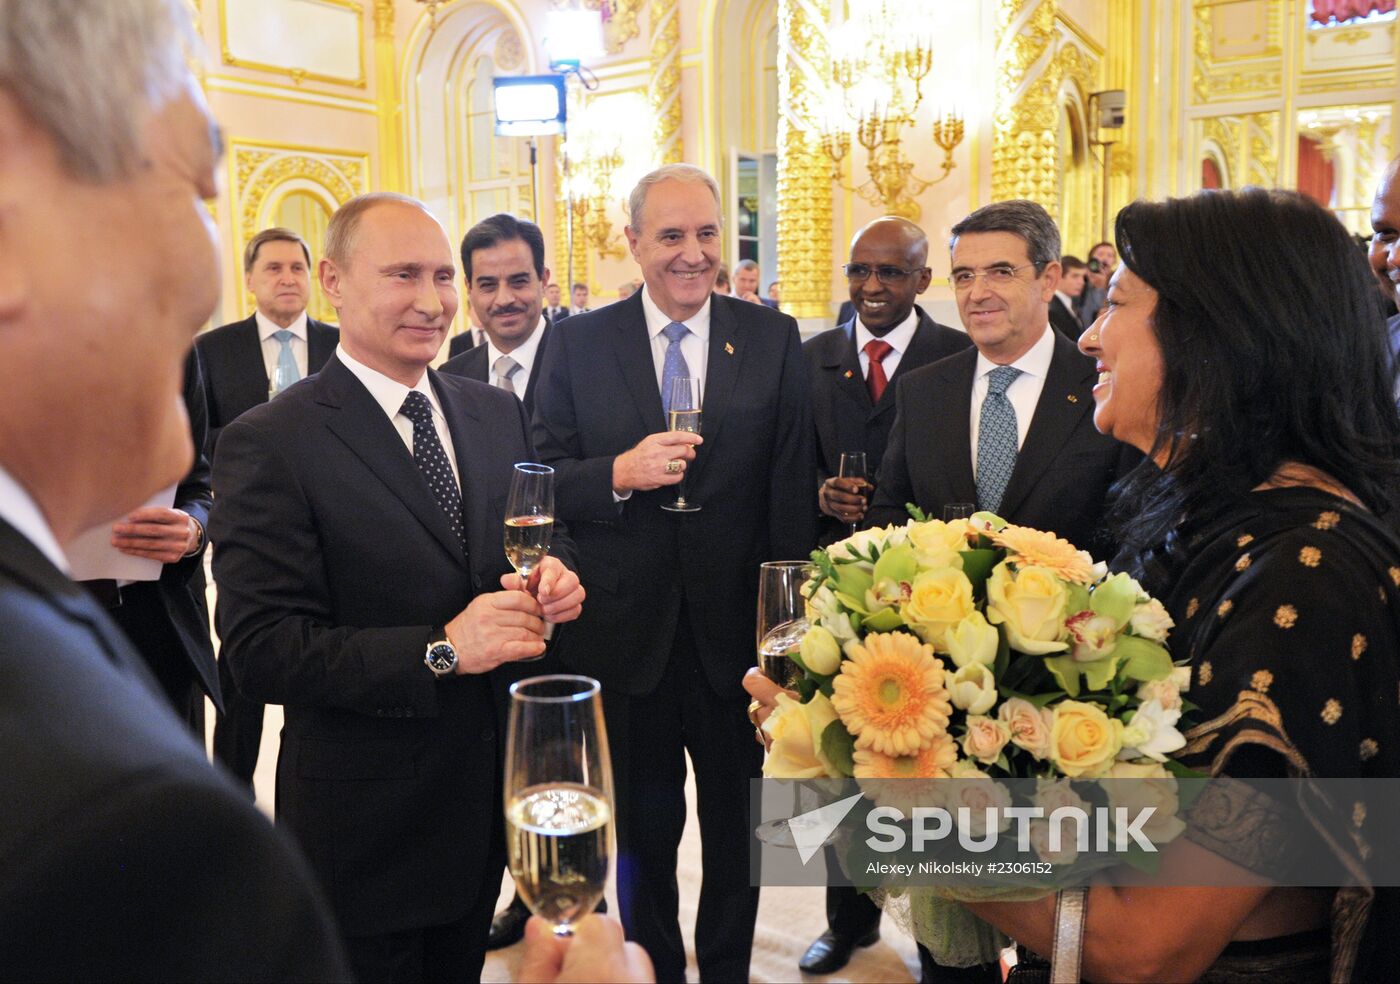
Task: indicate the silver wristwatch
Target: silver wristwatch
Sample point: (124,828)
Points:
(441,658)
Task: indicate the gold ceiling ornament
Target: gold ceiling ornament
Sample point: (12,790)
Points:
(1025,123)
(665,90)
(432,6)
(619,18)
(804,172)
(880,58)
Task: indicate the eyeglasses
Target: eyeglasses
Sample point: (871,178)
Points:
(889,275)
(998,275)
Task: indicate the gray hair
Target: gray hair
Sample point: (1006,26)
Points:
(670,172)
(87,73)
(1020,218)
(746,265)
(340,231)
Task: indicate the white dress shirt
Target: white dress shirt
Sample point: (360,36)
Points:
(524,355)
(695,346)
(272,348)
(390,394)
(1023,393)
(18,508)
(899,337)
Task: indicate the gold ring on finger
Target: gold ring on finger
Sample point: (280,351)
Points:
(754,706)
(673,466)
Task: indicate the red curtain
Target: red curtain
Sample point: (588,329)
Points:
(1325,11)
(1315,176)
(1210,174)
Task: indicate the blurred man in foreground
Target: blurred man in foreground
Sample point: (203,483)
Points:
(125,855)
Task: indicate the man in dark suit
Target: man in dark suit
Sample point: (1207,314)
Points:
(1063,318)
(125,855)
(746,280)
(167,619)
(464,341)
(240,360)
(555,310)
(1007,425)
(357,528)
(503,266)
(853,370)
(669,623)
(578,299)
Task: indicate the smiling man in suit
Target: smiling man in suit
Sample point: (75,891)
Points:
(854,368)
(503,266)
(1009,424)
(357,531)
(238,361)
(669,623)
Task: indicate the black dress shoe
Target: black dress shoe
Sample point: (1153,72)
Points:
(508,927)
(830,951)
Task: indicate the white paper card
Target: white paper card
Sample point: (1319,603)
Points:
(93,558)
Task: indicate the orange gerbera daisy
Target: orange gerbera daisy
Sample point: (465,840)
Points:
(890,694)
(906,781)
(1026,547)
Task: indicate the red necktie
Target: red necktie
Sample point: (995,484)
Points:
(875,379)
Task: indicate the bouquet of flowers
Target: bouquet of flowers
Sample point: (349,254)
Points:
(975,649)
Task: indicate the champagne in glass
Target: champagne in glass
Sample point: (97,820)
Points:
(529,517)
(852,465)
(958,510)
(282,377)
(683,414)
(782,619)
(558,797)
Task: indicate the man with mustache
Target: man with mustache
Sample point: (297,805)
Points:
(503,266)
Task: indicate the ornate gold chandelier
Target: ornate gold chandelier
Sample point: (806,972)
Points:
(590,178)
(880,58)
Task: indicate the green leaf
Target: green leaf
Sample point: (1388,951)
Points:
(918,515)
(854,603)
(825,685)
(806,689)
(1003,661)
(977,566)
(1066,673)
(1141,659)
(885,620)
(839,747)
(897,564)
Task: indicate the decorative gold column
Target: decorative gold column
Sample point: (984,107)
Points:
(665,91)
(386,92)
(804,171)
(1025,155)
(1120,59)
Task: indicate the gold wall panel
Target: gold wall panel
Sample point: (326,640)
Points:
(274,21)
(1246,144)
(1360,57)
(1236,49)
(264,175)
(665,93)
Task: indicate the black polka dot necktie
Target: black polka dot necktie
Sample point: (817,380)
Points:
(432,460)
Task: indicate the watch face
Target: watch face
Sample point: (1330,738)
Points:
(442,658)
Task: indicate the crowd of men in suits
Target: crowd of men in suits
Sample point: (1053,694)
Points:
(355,505)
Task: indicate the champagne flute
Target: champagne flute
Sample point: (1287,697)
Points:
(683,415)
(529,521)
(958,510)
(282,377)
(558,797)
(782,619)
(852,465)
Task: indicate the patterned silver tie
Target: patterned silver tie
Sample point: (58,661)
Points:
(996,439)
(504,368)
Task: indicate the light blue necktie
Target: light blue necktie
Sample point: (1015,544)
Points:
(286,372)
(996,439)
(674,367)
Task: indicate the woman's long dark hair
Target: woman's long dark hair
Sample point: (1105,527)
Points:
(1272,349)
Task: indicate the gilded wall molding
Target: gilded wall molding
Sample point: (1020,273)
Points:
(297,74)
(804,171)
(1248,143)
(665,91)
(389,112)
(1025,122)
(1217,78)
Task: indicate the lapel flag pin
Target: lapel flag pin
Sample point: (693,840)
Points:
(728,348)
(1073,399)
(849,374)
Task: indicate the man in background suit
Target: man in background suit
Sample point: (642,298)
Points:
(1384,251)
(167,619)
(554,310)
(578,299)
(239,361)
(853,369)
(746,279)
(1063,319)
(1007,425)
(669,624)
(125,855)
(358,537)
(503,266)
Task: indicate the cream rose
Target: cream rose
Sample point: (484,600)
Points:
(1137,786)
(1151,621)
(973,689)
(1051,796)
(938,600)
(1168,690)
(821,653)
(1028,725)
(985,739)
(972,640)
(977,794)
(1031,604)
(1083,739)
(938,544)
(796,730)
